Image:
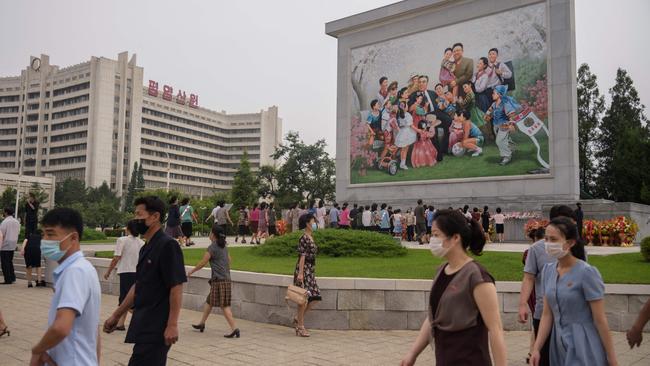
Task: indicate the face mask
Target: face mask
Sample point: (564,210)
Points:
(140,226)
(51,249)
(435,245)
(555,250)
(314,226)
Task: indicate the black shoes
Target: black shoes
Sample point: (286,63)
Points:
(200,327)
(235,334)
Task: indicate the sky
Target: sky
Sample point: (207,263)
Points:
(244,56)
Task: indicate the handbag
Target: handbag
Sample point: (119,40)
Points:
(297,295)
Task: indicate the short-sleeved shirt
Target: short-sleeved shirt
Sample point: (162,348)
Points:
(334,215)
(222,217)
(215,211)
(255,215)
(128,248)
(76,287)
(535,261)
(429,218)
(419,215)
(384,219)
(219,262)
(160,267)
(366,218)
(186,213)
(499,218)
(10,228)
(345,217)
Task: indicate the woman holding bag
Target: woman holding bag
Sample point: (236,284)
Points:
(303,275)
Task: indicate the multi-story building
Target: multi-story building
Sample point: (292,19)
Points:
(92,121)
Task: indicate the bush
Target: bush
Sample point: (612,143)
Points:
(92,234)
(115,233)
(645,248)
(335,243)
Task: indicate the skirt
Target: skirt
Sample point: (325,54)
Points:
(220,293)
(127,279)
(242,230)
(174,231)
(186,227)
(32,257)
(273,230)
(254,227)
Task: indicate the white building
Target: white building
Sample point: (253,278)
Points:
(94,120)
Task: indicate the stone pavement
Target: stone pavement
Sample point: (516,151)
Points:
(25,311)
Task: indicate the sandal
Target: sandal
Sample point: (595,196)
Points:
(302,332)
(528,358)
(5,331)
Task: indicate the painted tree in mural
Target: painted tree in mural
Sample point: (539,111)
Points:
(358,76)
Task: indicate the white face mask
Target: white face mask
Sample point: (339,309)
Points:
(555,250)
(435,245)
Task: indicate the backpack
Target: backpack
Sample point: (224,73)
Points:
(509,82)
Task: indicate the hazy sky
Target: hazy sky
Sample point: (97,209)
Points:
(243,56)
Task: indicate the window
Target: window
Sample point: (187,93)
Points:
(71,89)
(73,100)
(71,112)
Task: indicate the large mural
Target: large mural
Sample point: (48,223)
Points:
(462,101)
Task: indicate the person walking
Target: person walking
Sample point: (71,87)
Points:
(579,218)
(220,286)
(31,252)
(125,258)
(263,224)
(173,225)
(31,214)
(463,322)
(334,216)
(344,217)
(188,217)
(410,225)
(321,213)
(157,295)
(353,216)
(242,224)
(499,223)
(420,222)
(634,334)
(72,336)
(358,218)
(273,228)
(397,223)
(304,274)
(573,318)
(255,223)
(9,231)
(213,214)
(384,220)
(223,217)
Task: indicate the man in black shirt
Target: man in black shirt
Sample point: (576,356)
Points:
(420,222)
(157,294)
(353,216)
(579,218)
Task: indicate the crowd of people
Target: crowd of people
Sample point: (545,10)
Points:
(466,107)
(563,293)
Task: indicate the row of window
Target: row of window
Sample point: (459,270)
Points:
(191,178)
(6,154)
(8,120)
(69,136)
(71,89)
(9,109)
(71,124)
(198,124)
(73,100)
(196,132)
(212,163)
(67,148)
(71,112)
(187,168)
(70,160)
(8,131)
(62,175)
(8,142)
(9,98)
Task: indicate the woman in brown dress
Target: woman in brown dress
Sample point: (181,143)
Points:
(464,321)
(303,275)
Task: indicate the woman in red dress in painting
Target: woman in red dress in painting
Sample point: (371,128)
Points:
(424,153)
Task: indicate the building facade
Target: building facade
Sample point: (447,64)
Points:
(94,120)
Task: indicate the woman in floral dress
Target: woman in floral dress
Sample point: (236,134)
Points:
(304,276)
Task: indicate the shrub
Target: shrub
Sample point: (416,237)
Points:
(335,243)
(92,234)
(115,233)
(645,248)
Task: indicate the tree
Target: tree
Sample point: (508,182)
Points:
(102,208)
(267,184)
(39,194)
(308,171)
(139,184)
(591,106)
(244,186)
(8,198)
(631,166)
(69,191)
(131,190)
(624,124)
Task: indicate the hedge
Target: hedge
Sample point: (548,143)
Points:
(645,248)
(88,234)
(335,243)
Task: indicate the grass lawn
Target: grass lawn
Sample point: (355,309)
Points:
(420,264)
(108,240)
(524,159)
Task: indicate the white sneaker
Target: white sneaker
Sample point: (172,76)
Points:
(402,165)
(477,152)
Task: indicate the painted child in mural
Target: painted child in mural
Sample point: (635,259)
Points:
(388,128)
(468,103)
(412,85)
(447,68)
(472,138)
(456,132)
(419,108)
(501,112)
(451,103)
(374,121)
(406,135)
(424,153)
(382,94)
(441,101)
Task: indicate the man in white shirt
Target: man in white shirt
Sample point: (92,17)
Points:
(497,71)
(73,334)
(213,215)
(9,230)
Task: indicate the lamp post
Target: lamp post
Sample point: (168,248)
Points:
(202,222)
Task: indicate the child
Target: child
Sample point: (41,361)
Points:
(424,153)
(374,121)
(451,106)
(456,132)
(468,103)
(472,137)
(418,108)
(447,68)
(397,223)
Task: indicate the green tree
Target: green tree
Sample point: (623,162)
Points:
(308,172)
(631,166)
(102,207)
(8,198)
(39,194)
(591,105)
(131,190)
(244,186)
(624,124)
(267,184)
(139,184)
(69,192)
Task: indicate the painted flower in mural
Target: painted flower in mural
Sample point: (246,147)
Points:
(360,155)
(538,98)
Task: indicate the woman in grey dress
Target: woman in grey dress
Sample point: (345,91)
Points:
(574,306)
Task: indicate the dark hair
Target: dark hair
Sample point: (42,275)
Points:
(66,218)
(9,211)
(562,210)
(304,219)
(569,230)
(383,206)
(424,76)
(355,205)
(456,45)
(452,222)
(393,85)
(484,60)
(471,84)
(321,203)
(185,201)
(465,113)
(485,208)
(172,199)
(579,204)
(360,208)
(345,205)
(430,208)
(382,79)
(419,201)
(131,226)
(498,209)
(448,49)
(263,205)
(537,234)
(465,208)
(220,234)
(373,103)
(367,207)
(374,207)
(494,49)
(153,204)
(436,86)
(475,209)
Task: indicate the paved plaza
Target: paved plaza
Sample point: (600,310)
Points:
(261,344)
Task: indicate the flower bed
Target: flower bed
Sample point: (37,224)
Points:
(619,231)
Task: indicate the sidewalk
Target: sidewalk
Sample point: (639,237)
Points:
(25,311)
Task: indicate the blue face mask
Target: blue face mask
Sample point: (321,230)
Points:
(314,226)
(51,249)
